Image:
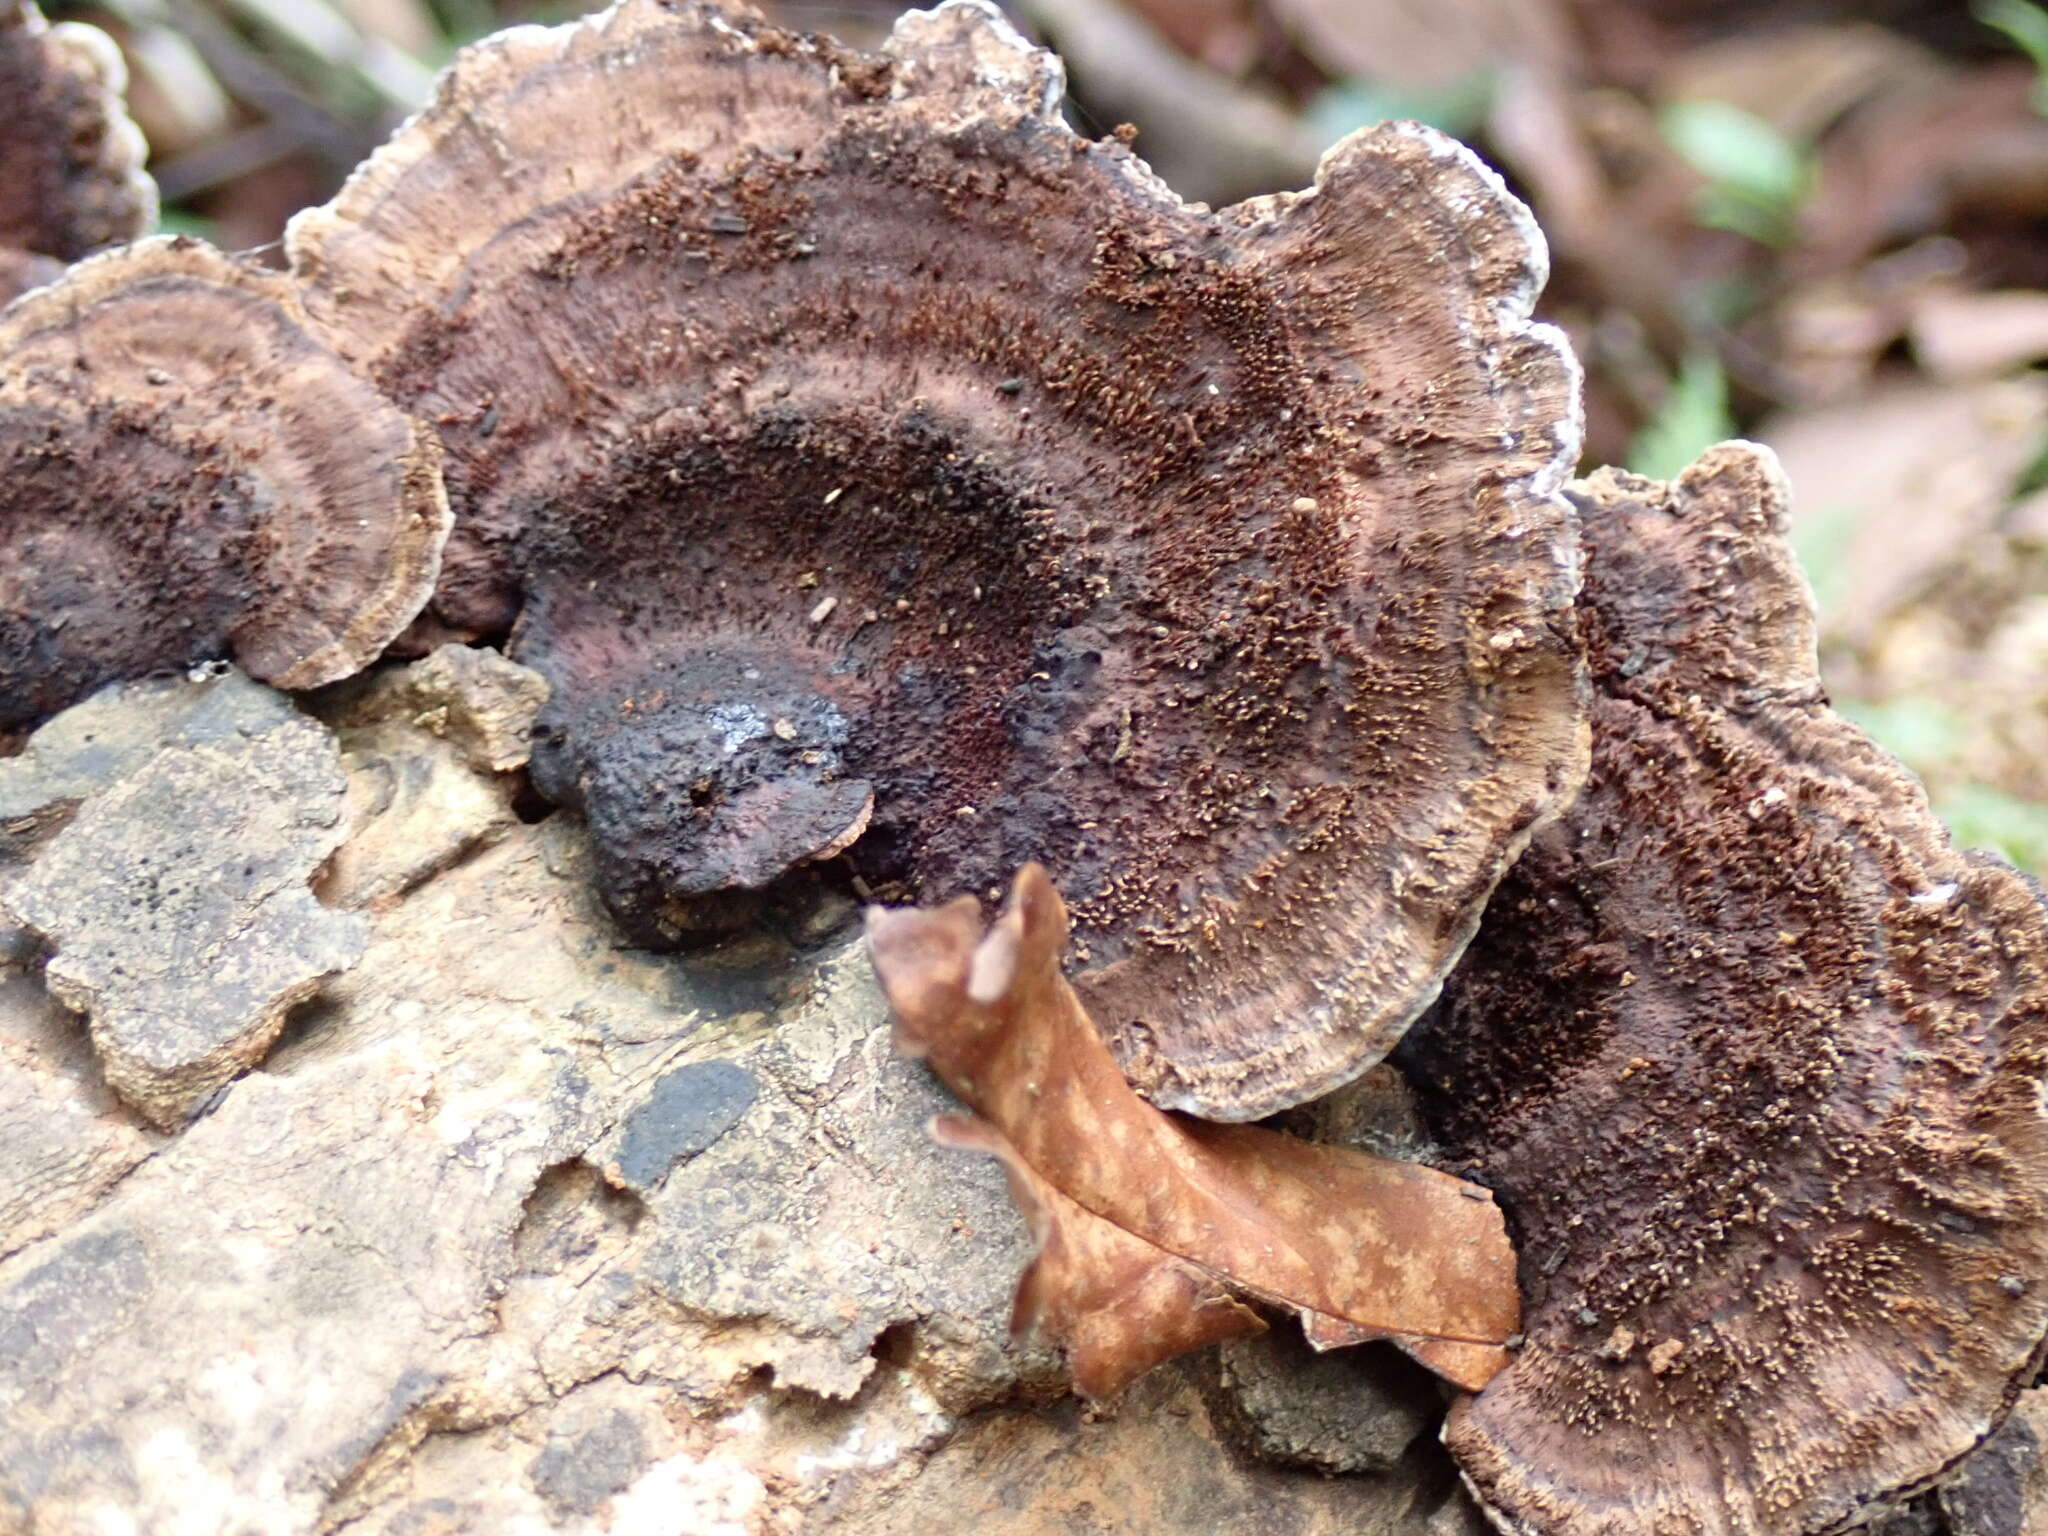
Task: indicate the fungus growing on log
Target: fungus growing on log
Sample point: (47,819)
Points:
(1151,1230)
(189,476)
(71,176)
(873,465)
(1754,1058)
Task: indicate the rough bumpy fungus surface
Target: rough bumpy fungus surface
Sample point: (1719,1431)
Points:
(186,475)
(1754,1058)
(869,460)
(71,177)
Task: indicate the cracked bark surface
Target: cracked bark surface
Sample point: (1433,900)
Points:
(174,905)
(520,1230)
(516,1229)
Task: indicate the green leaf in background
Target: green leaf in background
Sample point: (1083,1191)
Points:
(1932,740)
(1821,537)
(2035,476)
(1921,733)
(1982,817)
(178,221)
(1756,177)
(1457,107)
(2027,25)
(1693,416)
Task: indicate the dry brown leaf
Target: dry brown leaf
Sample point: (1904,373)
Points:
(1892,484)
(1117,1305)
(1424,43)
(1963,335)
(1150,1225)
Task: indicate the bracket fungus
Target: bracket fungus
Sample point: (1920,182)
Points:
(1754,1056)
(71,176)
(874,465)
(189,476)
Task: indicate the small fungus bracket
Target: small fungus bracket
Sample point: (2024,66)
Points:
(190,477)
(1754,1057)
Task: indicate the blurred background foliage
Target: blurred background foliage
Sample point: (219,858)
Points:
(1822,224)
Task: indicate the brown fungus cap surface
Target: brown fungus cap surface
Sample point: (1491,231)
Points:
(186,476)
(1754,1058)
(875,466)
(71,176)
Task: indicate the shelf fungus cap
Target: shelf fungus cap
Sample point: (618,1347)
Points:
(1754,1057)
(186,475)
(875,466)
(71,159)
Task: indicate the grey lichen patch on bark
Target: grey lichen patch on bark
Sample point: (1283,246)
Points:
(99,741)
(176,907)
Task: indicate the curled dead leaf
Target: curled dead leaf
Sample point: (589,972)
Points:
(1154,1229)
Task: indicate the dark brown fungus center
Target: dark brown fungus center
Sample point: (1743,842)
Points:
(810,663)
(875,466)
(186,476)
(1754,1057)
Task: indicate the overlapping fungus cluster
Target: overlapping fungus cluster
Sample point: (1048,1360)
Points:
(882,473)
(1754,1055)
(877,469)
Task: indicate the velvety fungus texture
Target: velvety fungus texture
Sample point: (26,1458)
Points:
(875,466)
(1754,1057)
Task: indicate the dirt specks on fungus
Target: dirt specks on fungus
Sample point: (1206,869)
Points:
(843,428)
(1754,1057)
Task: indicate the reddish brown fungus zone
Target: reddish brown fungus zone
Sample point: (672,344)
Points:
(1754,1058)
(922,609)
(874,466)
(171,588)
